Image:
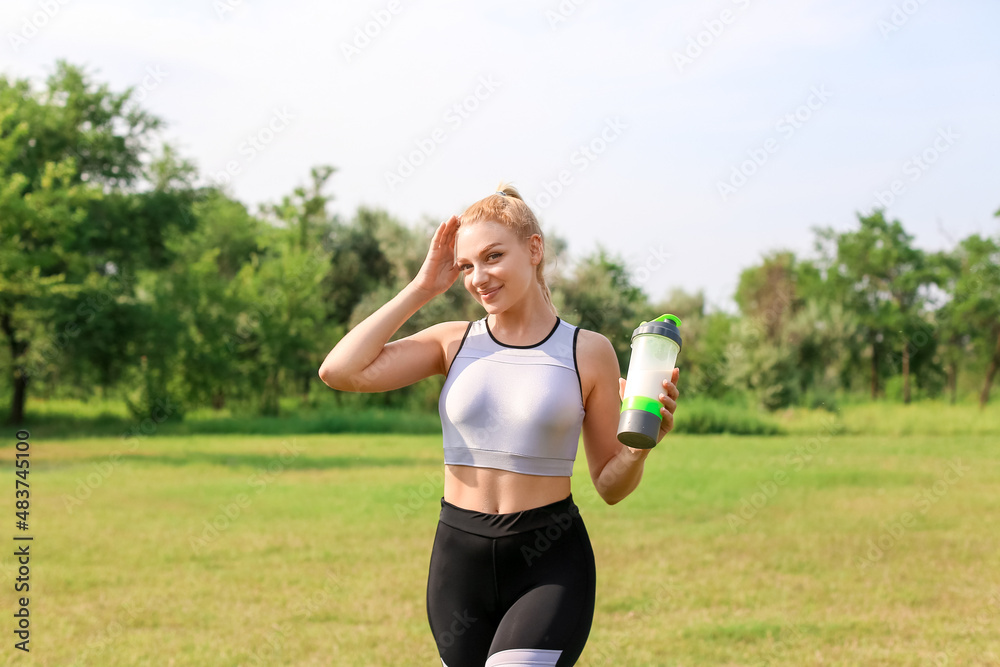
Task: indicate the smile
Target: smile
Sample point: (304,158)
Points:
(488,296)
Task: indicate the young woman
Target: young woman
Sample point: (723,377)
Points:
(512,575)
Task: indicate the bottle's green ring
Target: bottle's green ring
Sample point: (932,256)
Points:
(642,403)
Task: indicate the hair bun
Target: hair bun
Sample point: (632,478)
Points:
(508,190)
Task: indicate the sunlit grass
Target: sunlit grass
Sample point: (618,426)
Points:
(319,549)
(885,418)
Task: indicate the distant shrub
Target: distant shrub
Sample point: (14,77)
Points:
(702,417)
(359,421)
(820,399)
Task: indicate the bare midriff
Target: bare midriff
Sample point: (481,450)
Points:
(496,491)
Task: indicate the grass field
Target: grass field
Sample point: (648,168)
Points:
(313,550)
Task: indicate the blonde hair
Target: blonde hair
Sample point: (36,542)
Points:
(508,208)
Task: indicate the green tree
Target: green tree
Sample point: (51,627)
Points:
(685,305)
(974,310)
(199,289)
(359,264)
(305,216)
(599,295)
(767,294)
(77,217)
(955,336)
(877,273)
(785,347)
(281,314)
(706,336)
(304,212)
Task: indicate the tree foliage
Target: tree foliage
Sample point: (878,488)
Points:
(120,276)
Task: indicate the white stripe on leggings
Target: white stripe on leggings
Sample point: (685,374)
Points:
(524,657)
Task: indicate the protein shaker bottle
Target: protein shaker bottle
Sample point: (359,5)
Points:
(654,351)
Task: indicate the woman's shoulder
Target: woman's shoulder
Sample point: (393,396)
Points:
(592,340)
(451,336)
(594,348)
(448,332)
(596,360)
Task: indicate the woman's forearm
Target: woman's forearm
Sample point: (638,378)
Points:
(622,474)
(361,345)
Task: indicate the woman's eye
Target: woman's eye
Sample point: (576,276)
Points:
(489,257)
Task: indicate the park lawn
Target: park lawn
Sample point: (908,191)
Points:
(733,551)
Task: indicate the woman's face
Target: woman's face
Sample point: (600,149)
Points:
(498,268)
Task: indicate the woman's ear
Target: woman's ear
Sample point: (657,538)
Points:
(536,247)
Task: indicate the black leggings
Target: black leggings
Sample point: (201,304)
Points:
(511,589)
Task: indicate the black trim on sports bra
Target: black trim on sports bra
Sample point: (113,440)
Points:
(464,336)
(575,364)
(521,347)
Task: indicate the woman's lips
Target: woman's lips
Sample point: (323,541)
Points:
(490,295)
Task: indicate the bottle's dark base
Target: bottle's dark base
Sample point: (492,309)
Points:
(638,429)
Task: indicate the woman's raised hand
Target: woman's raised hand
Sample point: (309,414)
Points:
(439,270)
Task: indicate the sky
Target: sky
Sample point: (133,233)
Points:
(687,138)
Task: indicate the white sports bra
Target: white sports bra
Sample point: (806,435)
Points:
(513,407)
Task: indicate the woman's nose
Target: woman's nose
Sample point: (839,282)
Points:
(479,276)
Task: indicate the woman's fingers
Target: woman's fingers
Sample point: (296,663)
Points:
(668,403)
(670,389)
(669,400)
(445,233)
(439,233)
(667,422)
(444,238)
